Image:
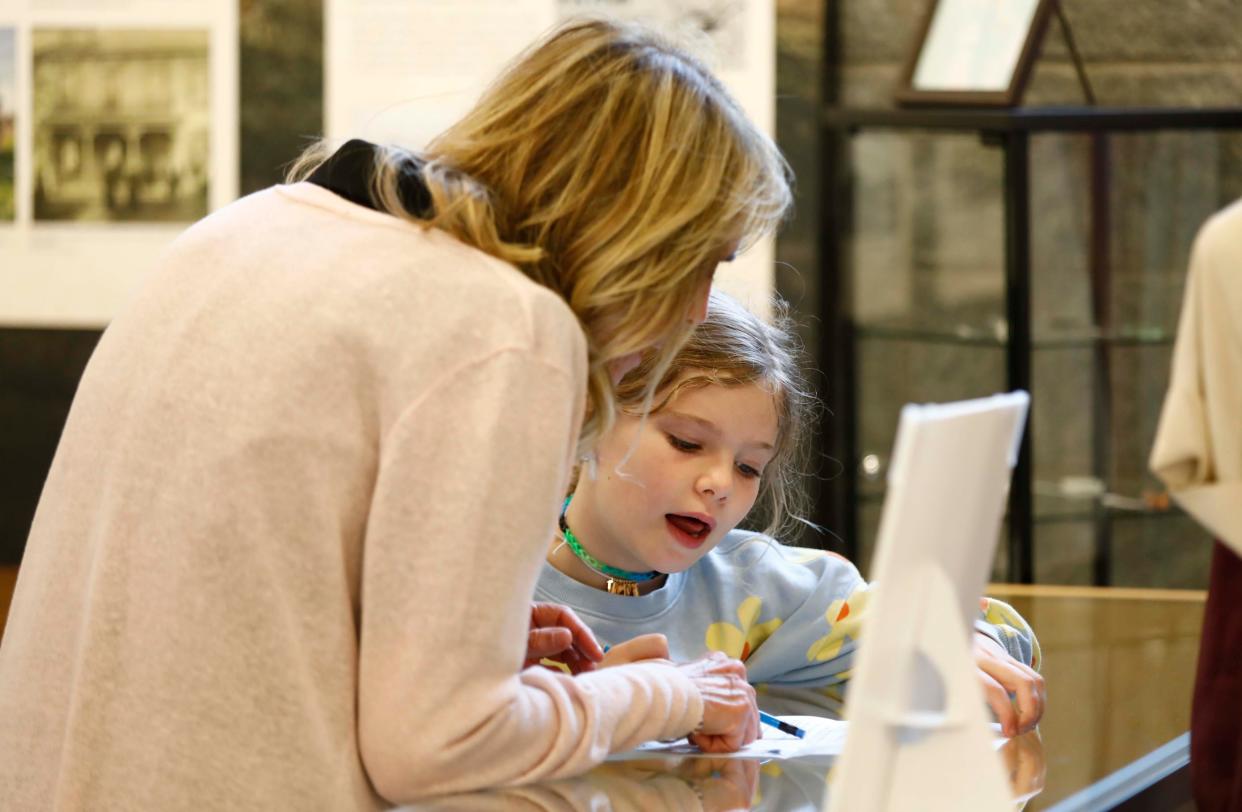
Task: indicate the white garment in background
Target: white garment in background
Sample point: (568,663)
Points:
(1198,448)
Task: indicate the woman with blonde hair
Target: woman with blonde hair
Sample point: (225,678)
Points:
(286,550)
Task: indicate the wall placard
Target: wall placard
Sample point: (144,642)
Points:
(118,128)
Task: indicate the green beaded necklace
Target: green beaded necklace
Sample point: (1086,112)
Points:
(619,581)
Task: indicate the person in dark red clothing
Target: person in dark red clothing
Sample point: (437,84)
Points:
(1216,712)
(1198,454)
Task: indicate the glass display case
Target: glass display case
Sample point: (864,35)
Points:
(971,252)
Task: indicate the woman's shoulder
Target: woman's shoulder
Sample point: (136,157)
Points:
(478,301)
(392,242)
(1224,226)
(1217,254)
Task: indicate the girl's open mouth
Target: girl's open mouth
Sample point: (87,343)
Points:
(688,530)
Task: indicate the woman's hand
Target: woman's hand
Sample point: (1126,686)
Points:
(1004,677)
(724,784)
(730,715)
(556,633)
(636,649)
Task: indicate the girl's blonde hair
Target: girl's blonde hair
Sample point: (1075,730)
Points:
(609,165)
(734,347)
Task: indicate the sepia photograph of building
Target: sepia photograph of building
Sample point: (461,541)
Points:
(121,124)
(8,123)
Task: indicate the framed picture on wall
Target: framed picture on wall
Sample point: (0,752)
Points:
(974,52)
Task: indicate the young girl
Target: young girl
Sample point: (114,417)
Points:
(286,551)
(650,542)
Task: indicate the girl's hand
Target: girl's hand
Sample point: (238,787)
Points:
(642,647)
(1023,757)
(1004,677)
(556,633)
(730,715)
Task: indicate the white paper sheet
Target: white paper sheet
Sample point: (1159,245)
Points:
(824,737)
(401,71)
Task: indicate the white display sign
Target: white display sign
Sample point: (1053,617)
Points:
(118,128)
(916,709)
(400,71)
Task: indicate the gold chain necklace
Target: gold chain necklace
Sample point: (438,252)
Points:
(616,580)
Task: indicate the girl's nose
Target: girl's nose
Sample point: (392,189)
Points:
(716,481)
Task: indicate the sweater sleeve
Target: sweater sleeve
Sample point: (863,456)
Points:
(1004,624)
(463,506)
(812,644)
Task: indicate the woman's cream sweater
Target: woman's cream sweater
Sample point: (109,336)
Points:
(285,552)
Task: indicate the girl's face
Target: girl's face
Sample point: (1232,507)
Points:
(692,476)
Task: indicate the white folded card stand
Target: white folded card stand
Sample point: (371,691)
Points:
(919,733)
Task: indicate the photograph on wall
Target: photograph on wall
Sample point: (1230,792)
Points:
(8,122)
(723,21)
(121,122)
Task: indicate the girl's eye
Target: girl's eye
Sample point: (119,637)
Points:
(682,445)
(750,472)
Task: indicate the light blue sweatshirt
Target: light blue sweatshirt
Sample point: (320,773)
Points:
(791,614)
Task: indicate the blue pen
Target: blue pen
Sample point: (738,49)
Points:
(785,727)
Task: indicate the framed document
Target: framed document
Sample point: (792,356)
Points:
(974,52)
